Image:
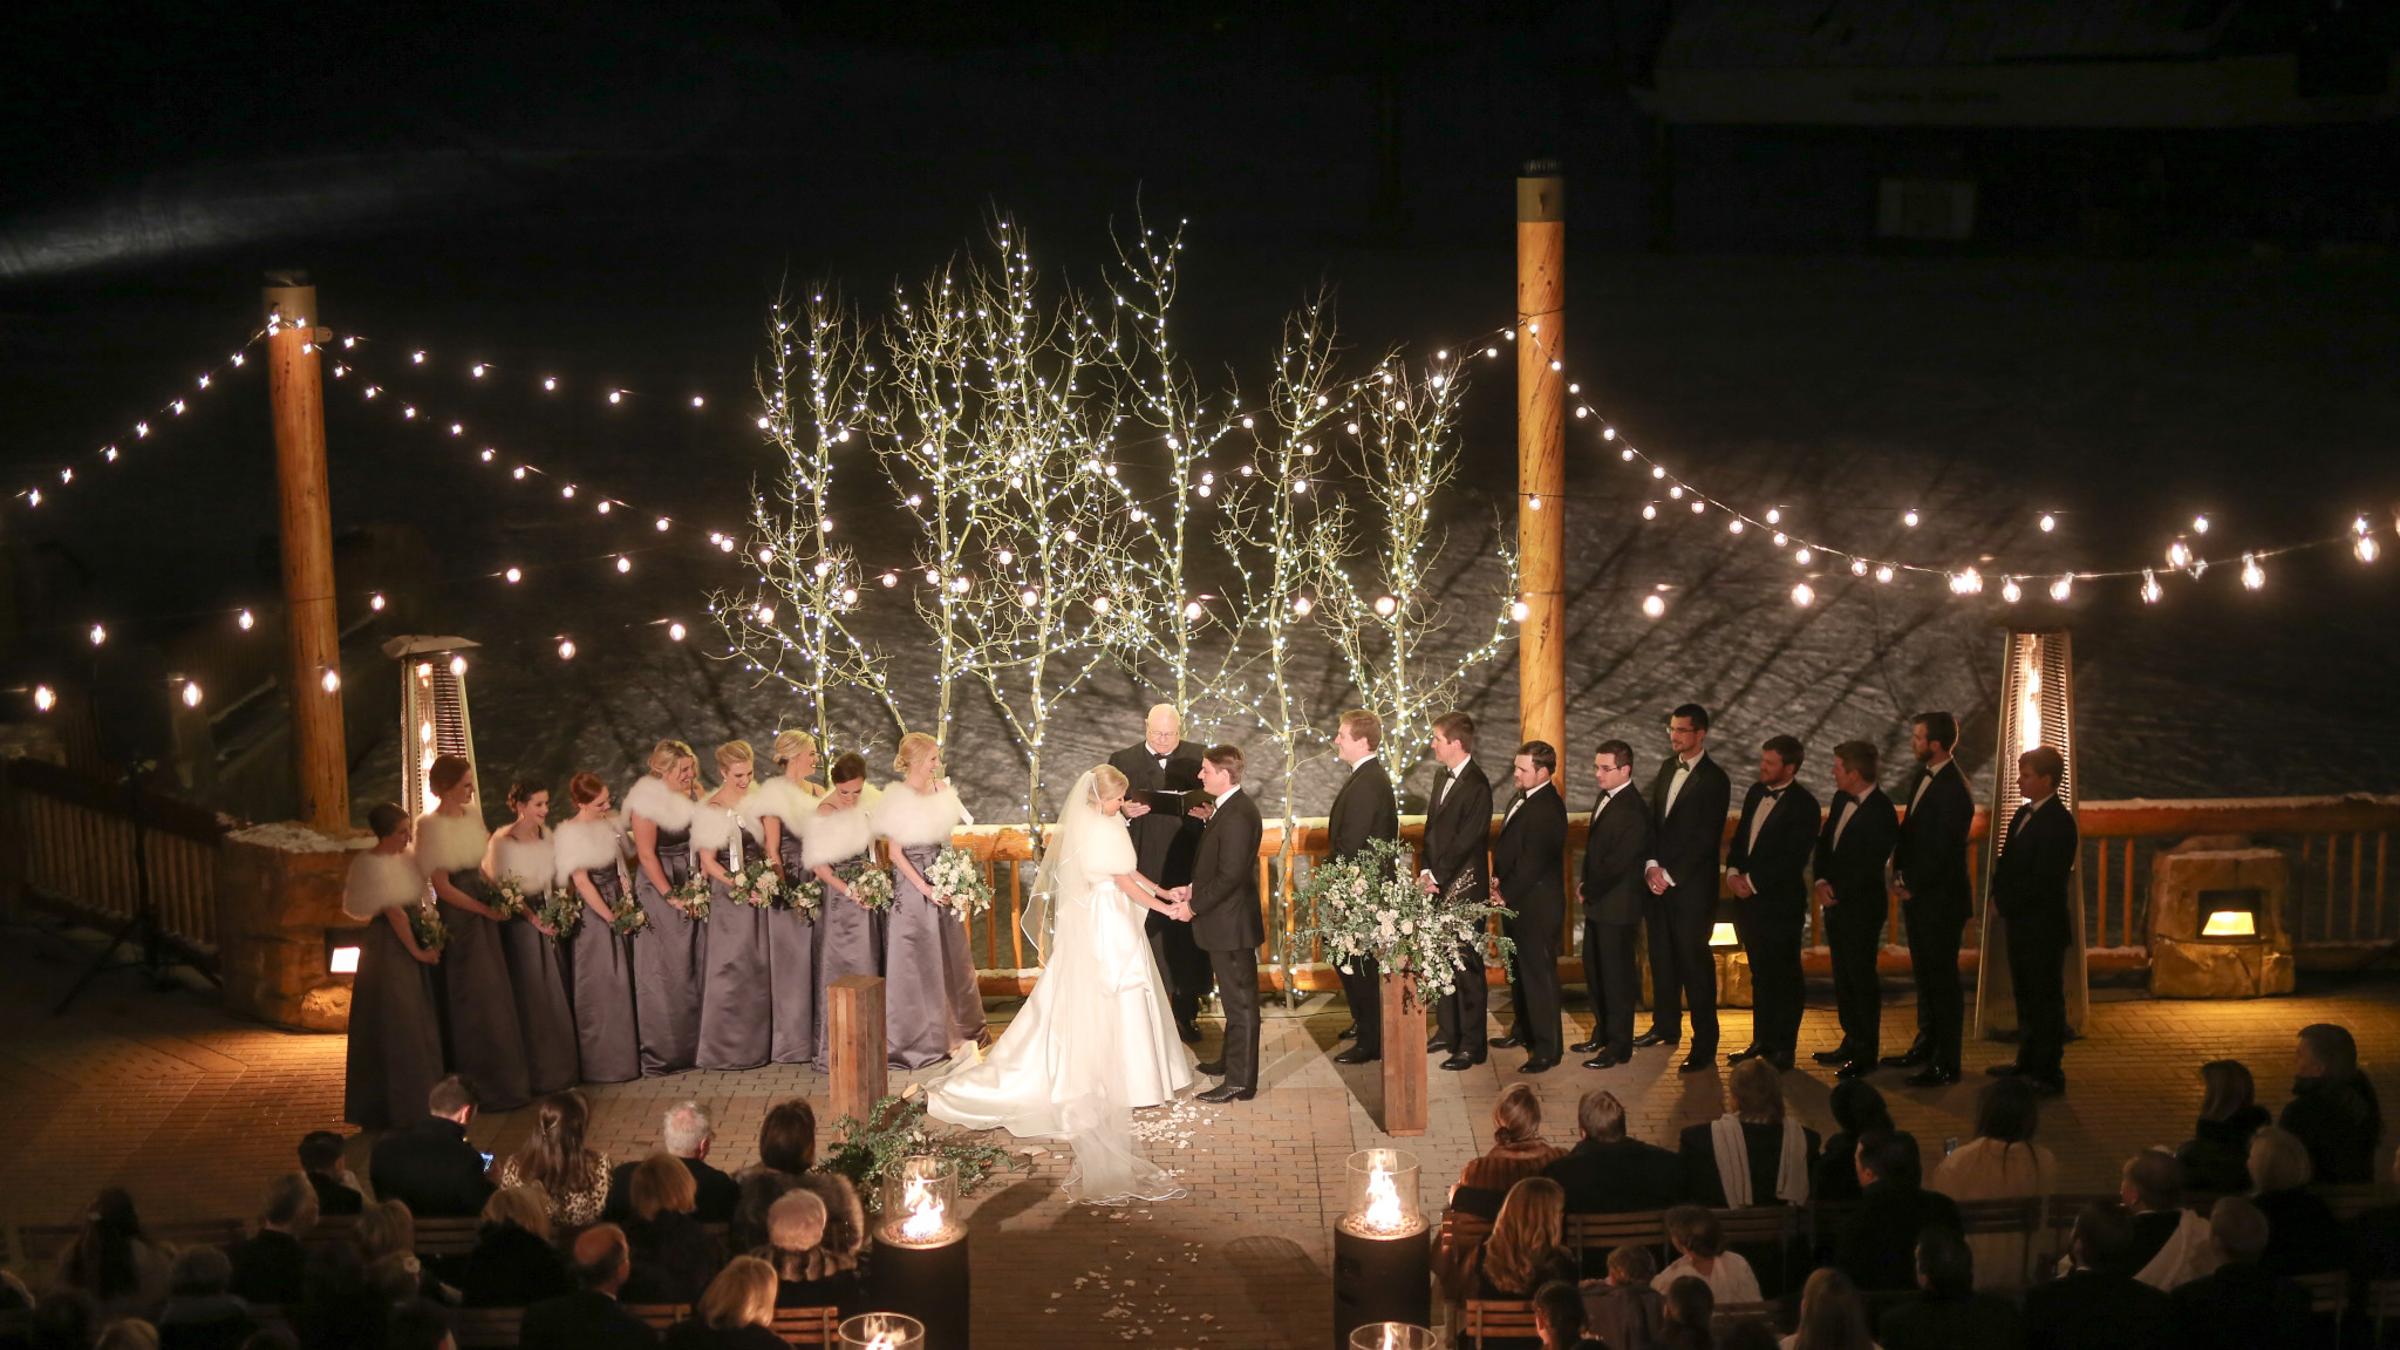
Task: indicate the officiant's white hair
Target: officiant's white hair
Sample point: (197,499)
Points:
(1163,712)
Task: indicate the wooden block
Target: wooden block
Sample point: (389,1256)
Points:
(1404,1099)
(855,1044)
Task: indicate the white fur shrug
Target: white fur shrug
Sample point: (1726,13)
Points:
(783,799)
(450,843)
(654,801)
(584,846)
(533,865)
(381,881)
(910,818)
(832,837)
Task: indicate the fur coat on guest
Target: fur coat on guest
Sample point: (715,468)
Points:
(381,881)
(911,819)
(583,846)
(451,843)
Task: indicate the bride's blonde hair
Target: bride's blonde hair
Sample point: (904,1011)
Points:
(1106,779)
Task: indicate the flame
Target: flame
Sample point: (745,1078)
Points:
(2029,704)
(884,1340)
(925,1213)
(1383,1202)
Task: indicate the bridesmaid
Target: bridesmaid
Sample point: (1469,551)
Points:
(849,935)
(395,1034)
(933,1003)
(736,1016)
(603,966)
(668,957)
(522,849)
(486,1044)
(782,805)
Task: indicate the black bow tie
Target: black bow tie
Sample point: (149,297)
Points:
(1773,794)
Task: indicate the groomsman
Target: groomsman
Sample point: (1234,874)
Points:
(2030,883)
(1688,799)
(1363,811)
(1929,874)
(1764,870)
(1162,848)
(1457,865)
(1615,850)
(1223,894)
(1860,828)
(1527,864)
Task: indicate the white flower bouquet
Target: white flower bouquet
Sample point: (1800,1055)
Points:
(561,910)
(1372,905)
(426,918)
(957,880)
(869,885)
(510,899)
(755,885)
(803,895)
(691,899)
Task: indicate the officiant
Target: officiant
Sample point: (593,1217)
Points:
(1162,777)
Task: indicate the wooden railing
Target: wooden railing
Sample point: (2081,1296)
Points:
(69,845)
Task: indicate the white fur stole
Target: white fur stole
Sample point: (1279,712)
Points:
(381,881)
(912,819)
(450,843)
(533,865)
(584,846)
(713,827)
(781,798)
(652,800)
(832,837)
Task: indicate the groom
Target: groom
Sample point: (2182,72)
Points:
(1223,895)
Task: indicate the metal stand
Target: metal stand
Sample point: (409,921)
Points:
(930,1284)
(1380,1280)
(157,955)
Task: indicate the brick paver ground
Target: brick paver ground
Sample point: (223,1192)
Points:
(192,1110)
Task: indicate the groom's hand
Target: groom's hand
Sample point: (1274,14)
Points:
(1181,895)
(1135,810)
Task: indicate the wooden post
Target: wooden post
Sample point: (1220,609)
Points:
(296,393)
(1541,454)
(854,1042)
(1404,1099)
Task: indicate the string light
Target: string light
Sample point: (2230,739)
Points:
(44,698)
(375,602)
(191,694)
(566,649)
(458,667)
(172,405)
(2049,522)
(1909,517)
(2151,590)
(1654,605)
(330,680)
(2179,553)
(2253,575)
(98,634)
(2062,588)
(245,620)
(1803,595)
(675,631)
(513,575)
(2010,590)
(2200,524)
(624,564)
(2366,548)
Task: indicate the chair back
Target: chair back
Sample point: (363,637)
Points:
(659,1316)
(806,1326)
(447,1237)
(1509,1319)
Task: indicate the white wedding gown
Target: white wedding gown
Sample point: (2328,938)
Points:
(1096,1039)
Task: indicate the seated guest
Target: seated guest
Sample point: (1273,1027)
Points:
(1832,1316)
(1609,1173)
(338,1195)
(337,1310)
(590,1318)
(2237,1306)
(1518,1151)
(415,1324)
(1699,1242)
(513,1264)
(574,1177)
(736,1313)
(674,1258)
(1750,1333)
(787,1149)
(1857,1108)
(112,1261)
(1685,1312)
(2170,1243)
(1753,1154)
(2100,1306)
(1623,1310)
(2333,1108)
(428,1165)
(1947,1313)
(1524,1252)
(2217,1158)
(200,1312)
(385,1238)
(270,1265)
(1558,1318)
(687,1133)
(1877,1248)
(2303,1237)
(127,1333)
(2001,1163)
(810,1270)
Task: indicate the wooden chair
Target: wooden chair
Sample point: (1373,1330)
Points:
(806,1326)
(2014,1215)
(1499,1319)
(659,1316)
(1763,1228)
(1722,1318)
(446,1237)
(2328,1296)
(2348,1202)
(2382,1303)
(486,1328)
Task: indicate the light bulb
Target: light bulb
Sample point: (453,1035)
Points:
(330,681)
(1885,574)
(375,602)
(1654,605)
(766,613)
(662,524)
(567,492)
(675,632)
(1100,604)
(2199,524)
(698,401)
(566,649)
(1803,595)
(513,575)
(1007,556)
(2179,554)
(1536,501)
(1781,539)
(550,383)
(1909,517)
(245,620)
(417,358)
(1774,515)
(1734,526)
(2366,548)
(1650,511)
(1192,610)
(98,634)
(616,396)
(2062,588)
(2049,522)
(1858,567)
(890,579)
(44,698)
(1301,605)
(477,370)
(458,667)
(1658,471)
(2011,591)
(2253,575)
(2151,590)
(1804,555)
(1519,611)
(1699,507)
(624,564)
(1676,492)
(1027,596)
(725,545)
(602,506)
(1384,605)
(191,694)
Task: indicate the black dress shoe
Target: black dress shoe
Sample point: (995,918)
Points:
(1697,1064)
(1511,1041)
(1857,1068)
(1437,1043)
(1585,1047)
(1653,1037)
(1540,1064)
(2009,1070)
(1457,1062)
(1931,1077)
(1214,1068)
(1226,1092)
(1189,1031)
(1840,1054)
(1357,1054)
(1914,1056)
(1603,1060)
(1348,1033)
(1738,1056)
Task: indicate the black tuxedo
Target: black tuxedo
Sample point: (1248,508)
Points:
(2031,882)
(1931,861)
(583,1320)
(1624,1177)
(1162,850)
(1526,866)
(1226,924)
(1774,922)
(1854,868)
(1691,839)
(1363,811)
(1458,837)
(1614,853)
(429,1164)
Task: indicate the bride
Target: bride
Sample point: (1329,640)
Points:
(1096,1039)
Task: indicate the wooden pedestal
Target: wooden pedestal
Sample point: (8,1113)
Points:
(1404,1104)
(854,1042)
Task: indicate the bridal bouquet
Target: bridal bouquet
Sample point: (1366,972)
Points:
(509,898)
(1371,904)
(426,920)
(754,885)
(561,910)
(869,885)
(691,899)
(803,895)
(627,916)
(958,879)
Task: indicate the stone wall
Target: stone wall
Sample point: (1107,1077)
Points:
(279,888)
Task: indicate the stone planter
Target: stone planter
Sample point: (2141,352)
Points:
(279,889)
(2192,878)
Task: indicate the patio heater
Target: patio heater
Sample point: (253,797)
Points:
(2037,707)
(433,712)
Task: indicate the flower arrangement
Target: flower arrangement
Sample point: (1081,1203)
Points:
(895,1130)
(561,910)
(869,885)
(510,899)
(755,885)
(958,880)
(691,899)
(1371,904)
(426,919)
(627,916)
(804,896)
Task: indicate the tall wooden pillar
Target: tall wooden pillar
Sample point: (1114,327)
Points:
(296,392)
(1541,453)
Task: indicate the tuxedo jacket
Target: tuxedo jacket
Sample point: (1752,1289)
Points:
(1854,868)
(1691,837)
(1225,879)
(1458,836)
(1614,853)
(1786,842)
(1932,857)
(2037,864)
(1362,811)
(1156,835)
(1531,854)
